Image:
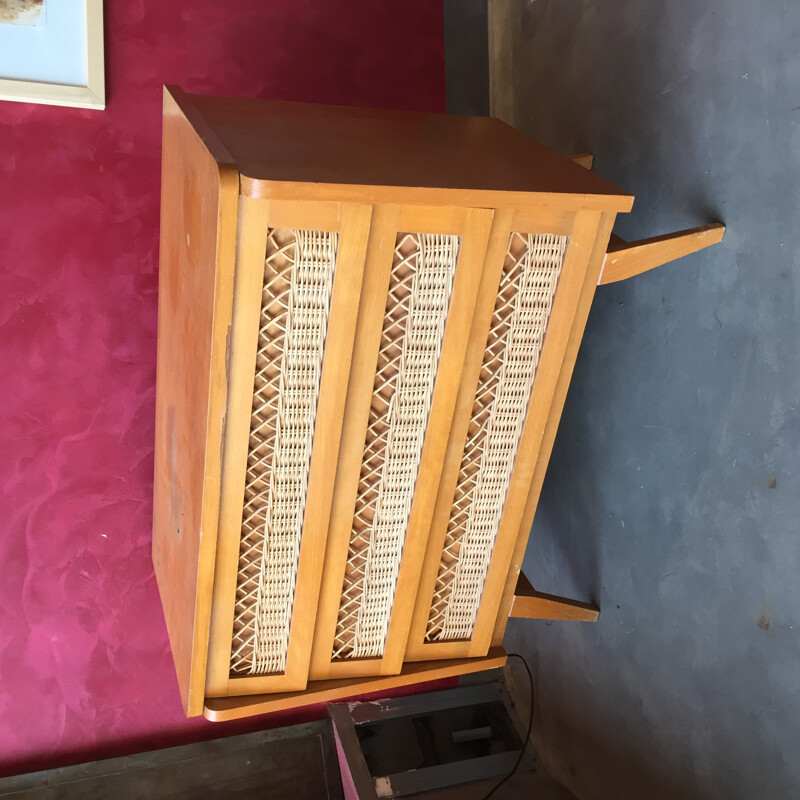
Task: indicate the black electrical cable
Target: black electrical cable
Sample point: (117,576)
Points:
(527,735)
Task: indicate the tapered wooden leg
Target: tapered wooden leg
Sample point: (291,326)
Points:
(530,604)
(626,259)
(583,160)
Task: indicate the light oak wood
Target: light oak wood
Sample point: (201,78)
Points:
(573,273)
(448,379)
(377,273)
(241,364)
(543,219)
(474,229)
(229,708)
(432,219)
(320,216)
(256,217)
(530,604)
(198,244)
(487,294)
(356,193)
(626,259)
(553,418)
(336,369)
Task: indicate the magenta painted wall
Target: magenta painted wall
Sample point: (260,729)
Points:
(85,668)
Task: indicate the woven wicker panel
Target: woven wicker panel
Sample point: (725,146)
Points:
(416,312)
(298,278)
(519,324)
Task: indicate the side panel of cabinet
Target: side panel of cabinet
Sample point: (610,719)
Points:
(423,271)
(299,273)
(199,193)
(504,402)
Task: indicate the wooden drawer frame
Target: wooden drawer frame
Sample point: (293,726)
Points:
(473,226)
(352,223)
(583,229)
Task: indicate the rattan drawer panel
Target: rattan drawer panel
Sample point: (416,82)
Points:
(540,277)
(519,324)
(292,338)
(420,288)
(295,306)
(388,478)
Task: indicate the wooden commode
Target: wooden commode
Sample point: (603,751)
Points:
(368,321)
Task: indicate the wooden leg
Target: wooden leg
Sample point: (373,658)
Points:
(530,604)
(220,709)
(625,259)
(584,160)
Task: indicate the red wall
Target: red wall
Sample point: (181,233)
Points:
(85,668)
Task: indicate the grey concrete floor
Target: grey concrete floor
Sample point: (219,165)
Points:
(672,498)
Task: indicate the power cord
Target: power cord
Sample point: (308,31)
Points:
(527,735)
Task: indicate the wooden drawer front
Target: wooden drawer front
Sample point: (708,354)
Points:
(295,308)
(417,305)
(420,288)
(298,267)
(519,323)
(489,463)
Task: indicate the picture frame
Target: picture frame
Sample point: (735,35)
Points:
(90,94)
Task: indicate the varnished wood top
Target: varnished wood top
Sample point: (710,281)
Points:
(380,156)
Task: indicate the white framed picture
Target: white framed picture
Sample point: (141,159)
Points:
(51,52)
